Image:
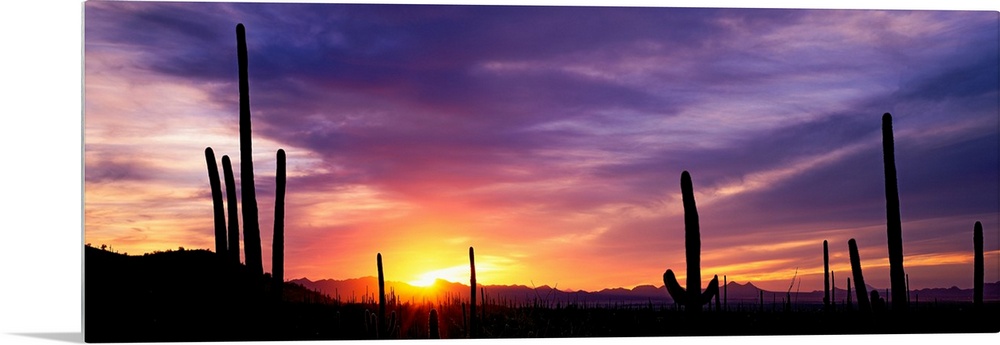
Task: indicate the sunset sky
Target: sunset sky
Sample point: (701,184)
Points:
(552,139)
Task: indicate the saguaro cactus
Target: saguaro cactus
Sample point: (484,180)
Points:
(234,214)
(894,227)
(826,276)
(977,262)
(278,243)
(381,291)
(251,227)
(217,207)
(432,324)
(833,291)
(859,279)
(472,300)
(691,298)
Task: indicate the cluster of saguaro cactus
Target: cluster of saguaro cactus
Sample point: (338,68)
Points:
(227,241)
(894,228)
(692,298)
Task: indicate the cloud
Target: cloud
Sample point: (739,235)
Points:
(567,126)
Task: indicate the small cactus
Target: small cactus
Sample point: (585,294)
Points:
(894,228)
(977,280)
(234,214)
(472,300)
(692,298)
(432,324)
(859,279)
(826,276)
(381,291)
(217,206)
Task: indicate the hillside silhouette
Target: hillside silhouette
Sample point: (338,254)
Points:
(194,295)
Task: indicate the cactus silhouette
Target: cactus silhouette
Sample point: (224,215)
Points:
(878,303)
(833,291)
(850,304)
(826,276)
(692,298)
(432,324)
(217,206)
(894,228)
(278,243)
(251,227)
(472,300)
(977,284)
(859,279)
(381,291)
(234,214)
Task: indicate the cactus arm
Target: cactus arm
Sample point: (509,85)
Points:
(711,291)
(278,242)
(218,209)
(673,288)
(859,280)
(234,214)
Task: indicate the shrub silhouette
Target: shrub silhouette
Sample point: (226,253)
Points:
(251,227)
(692,298)
(859,280)
(217,206)
(234,214)
(278,242)
(894,228)
(472,300)
(977,263)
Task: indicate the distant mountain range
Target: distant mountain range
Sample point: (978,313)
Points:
(747,294)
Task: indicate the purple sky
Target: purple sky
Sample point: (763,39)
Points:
(552,138)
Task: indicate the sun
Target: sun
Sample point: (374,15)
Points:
(453,274)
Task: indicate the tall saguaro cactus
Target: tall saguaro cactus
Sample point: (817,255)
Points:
(977,263)
(381,292)
(691,298)
(894,227)
(217,206)
(859,279)
(251,227)
(472,300)
(826,276)
(278,243)
(234,213)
